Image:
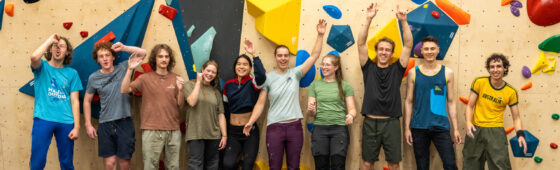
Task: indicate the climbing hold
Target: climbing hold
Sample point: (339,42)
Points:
(333,11)
(532,144)
(526,72)
(334,52)
(538,159)
(419,1)
(167,11)
(555,116)
(277,20)
(9,8)
(67,25)
(385,167)
(553,145)
(202,47)
(516,4)
(417,51)
(514,11)
(391,31)
(189,32)
(310,126)
(527,85)
(134,77)
(551,44)
(340,37)
(464,99)
(541,63)
(84,34)
(552,63)
(308,78)
(107,38)
(505,2)
(435,14)
(411,64)
(146,67)
(458,15)
(544,12)
(509,130)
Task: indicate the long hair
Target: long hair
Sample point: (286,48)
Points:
(67,58)
(237,59)
(154,53)
(338,75)
(216,82)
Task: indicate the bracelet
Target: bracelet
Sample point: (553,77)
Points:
(520,133)
(468,123)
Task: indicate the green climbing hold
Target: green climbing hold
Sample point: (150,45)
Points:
(555,116)
(538,159)
(551,44)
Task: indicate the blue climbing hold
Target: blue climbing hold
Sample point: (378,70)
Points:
(308,78)
(532,143)
(418,2)
(333,11)
(340,37)
(334,52)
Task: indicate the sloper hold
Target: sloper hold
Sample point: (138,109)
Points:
(67,25)
(183,42)
(308,78)
(340,37)
(544,12)
(277,20)
(458,15)
(202,47)
(532,144)
(551,44)
(9,8)
(333,11)
(391,31)
(167,11)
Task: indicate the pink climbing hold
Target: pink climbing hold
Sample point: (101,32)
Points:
(435,14)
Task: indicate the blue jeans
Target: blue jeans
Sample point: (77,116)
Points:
(41,136)
(443,143)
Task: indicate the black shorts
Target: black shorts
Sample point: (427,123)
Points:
(116,138)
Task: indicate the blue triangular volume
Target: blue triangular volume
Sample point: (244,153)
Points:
(1,12)
(422,24)
(184,46)
(308,78)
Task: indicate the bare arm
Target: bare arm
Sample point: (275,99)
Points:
(469,113)
(192,99)
(257,111)
(132,64)
(75,103)
(452,104)
(180,95)
(39,52)
(409,99)
(517,123)
(362,36)
(407,38)
(311,106)
(321,27)
(351,109)
(222,121)
(90,130)
(135,51)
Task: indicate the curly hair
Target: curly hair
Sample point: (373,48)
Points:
(67,58)
(103,46)
(154,53)
(498,57)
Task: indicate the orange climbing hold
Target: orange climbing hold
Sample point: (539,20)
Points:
(107,38)
(464,99)
(9,8)
(506,2)
(385,167)
(509,130)
(527,85)
(411,64)
(457,14)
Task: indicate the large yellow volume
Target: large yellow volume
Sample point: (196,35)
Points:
(391,31)
(277,20)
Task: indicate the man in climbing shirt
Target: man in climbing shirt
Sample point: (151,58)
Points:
(486,137)
(428,103)
(382,98)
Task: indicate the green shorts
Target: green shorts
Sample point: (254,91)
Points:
(377,132)
(489,144)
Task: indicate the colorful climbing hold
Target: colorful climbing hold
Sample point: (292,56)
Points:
(411,64)
(435,14)
(526,72)
(202,47)
(9,9)
(191,29)
(419,1)
(551,44)
(505,2)
(464,99)
(67,25)
(333,11)
(532,144)
(458,15)
(555,116)
(107,38)
(552,63)
(527,85)
(310,126)
(1,12)
(340,37)
(385,167)
(516,4)
(538,159)
(514,10)
(541,63)
(418,50)
(167,11)
(84,34)
(553,145)
(509,130)
(543,12)
(307,79)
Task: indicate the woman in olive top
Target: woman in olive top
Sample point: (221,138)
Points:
(331,101)
(284,130)
(206,123)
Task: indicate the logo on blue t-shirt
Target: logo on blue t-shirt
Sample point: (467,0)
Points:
(55,94)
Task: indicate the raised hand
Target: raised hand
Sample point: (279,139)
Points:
(180,83)
(401,14)
(249,47)
(134,62)
(371,10)
(199,78)
(54,39)
(321,26)
(117,46)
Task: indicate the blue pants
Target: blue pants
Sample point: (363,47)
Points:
(41,136)
(444,145)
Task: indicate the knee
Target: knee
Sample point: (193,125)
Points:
(110,163)
(229,163)
(393,165)
(367,165)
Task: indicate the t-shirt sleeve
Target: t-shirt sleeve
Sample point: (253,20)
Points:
(368,63)
(297,72)
(513,100)
(76,83)
(311,91)
(138,84)
(189,86)
(89,88)
(39,69)
(475,86)
(348,90)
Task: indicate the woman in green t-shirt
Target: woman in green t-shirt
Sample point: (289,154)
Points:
(331,102)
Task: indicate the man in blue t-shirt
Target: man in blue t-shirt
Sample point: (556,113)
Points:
(57,105)
(428,105)
(116,130)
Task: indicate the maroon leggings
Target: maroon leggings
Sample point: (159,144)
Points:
(280,136)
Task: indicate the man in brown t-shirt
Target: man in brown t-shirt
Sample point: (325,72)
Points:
(162,97)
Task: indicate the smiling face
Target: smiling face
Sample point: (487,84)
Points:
(282,57)
(429,50)
(384,52)
(327,67)
(162,59)
(496,69)
(59,50)
(105,58)
(242,67)
(209,73)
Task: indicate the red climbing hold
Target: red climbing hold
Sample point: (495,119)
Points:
(544,12)
(84,34)
(167,11)
(464,99)
(9,8)
(146,67)
(553,145)
(435,14)
(527,85)
(95,98)
(67,25)
(107,38)
(136,74)
(509,130)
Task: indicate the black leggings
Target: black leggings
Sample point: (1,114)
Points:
(239,143)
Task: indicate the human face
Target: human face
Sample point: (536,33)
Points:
(59,50)
(209,73)
(282,57)
(242,67)
(496,69)
(162,59)
(327,67)
(105,58)
(429,50)
(384,52)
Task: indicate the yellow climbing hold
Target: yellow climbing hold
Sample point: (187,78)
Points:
(194,67)
(277,20)
(552,67)
(391,31)
(541,64)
